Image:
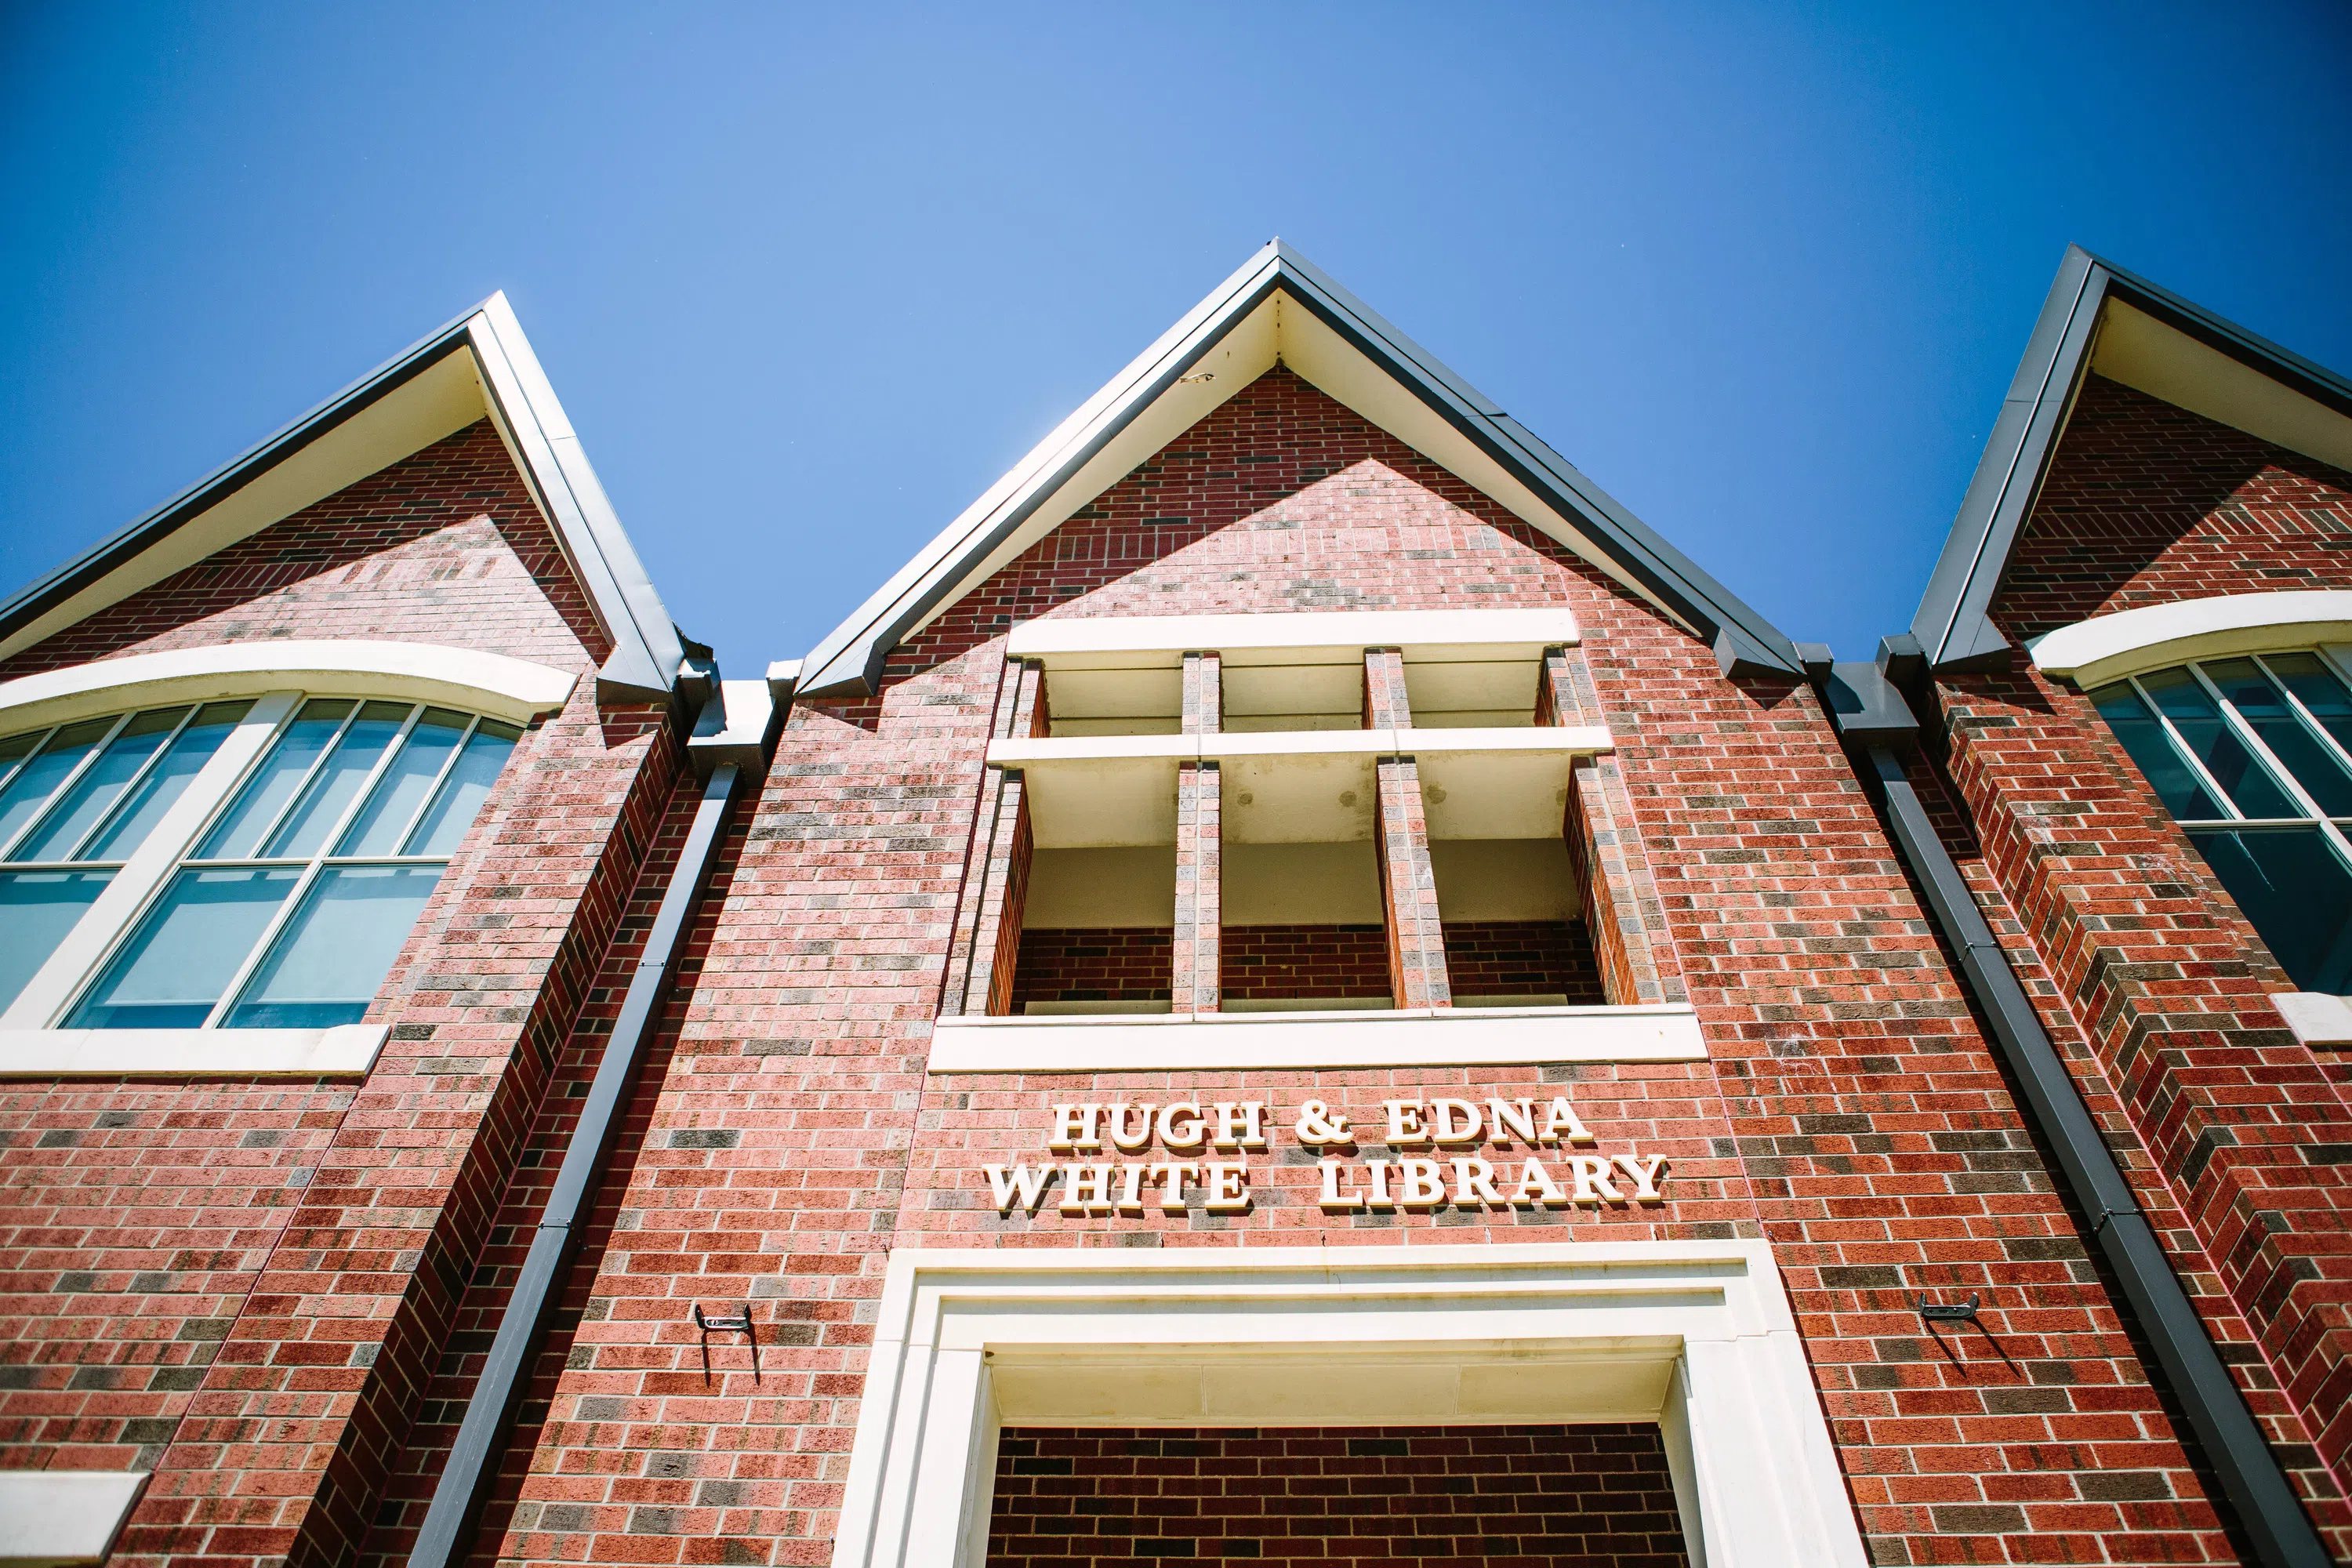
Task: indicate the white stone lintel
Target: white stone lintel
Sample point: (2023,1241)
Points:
(346,1050)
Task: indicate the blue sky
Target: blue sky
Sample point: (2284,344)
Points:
(808,280)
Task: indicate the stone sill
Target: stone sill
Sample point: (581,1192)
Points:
(2319,1021)
(347,1050)
(1446,1037)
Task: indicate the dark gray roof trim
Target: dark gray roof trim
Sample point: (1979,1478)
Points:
(646,651)
(1953,622)
(849,660)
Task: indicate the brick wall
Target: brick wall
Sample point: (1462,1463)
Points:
(1098,965)
(2148,980)
(1514,958)
(1850,1111)
(244,1284)
(1304,960)
(2146,504)
(1596,1495)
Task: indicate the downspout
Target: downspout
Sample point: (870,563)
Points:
(1876,723)
(722,752)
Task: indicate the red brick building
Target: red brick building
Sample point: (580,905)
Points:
(1297,985)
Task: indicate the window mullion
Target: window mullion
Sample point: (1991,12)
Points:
(440,779)
(66,784)
(9,776)
(131,789)
(352,809)
(2187,755)
(309,775)
(2254,744)
(114,912)
(2310,721)
(269,934)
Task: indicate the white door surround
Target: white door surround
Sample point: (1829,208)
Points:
(1697,1336)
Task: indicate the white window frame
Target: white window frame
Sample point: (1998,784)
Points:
(1697,1336)
(32,1044)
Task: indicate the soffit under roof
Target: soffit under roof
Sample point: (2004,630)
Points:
(1279,308)
(479,364)
(2098,317)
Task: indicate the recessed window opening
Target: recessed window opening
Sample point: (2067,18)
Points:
(2250,755)
(1304,929)
(1515,934)
(1097,931)
(1270,698)
(1116,701)
(292,903)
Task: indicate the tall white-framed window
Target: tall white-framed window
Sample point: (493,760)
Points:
(2253,756)
(255,863)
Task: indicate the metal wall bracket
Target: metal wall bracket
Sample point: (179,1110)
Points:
(741,1325)
(1964,1312)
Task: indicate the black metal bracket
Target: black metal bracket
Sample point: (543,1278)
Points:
(1964,1312)
(738,1325)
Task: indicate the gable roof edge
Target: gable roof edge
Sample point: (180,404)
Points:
(849,660)
(1953,622)
(522,404)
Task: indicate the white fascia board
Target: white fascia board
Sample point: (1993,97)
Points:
(1337,636)
(646,650)
(2149,357)
(65,1516)
(478,364)
(2106,648)
(838,666)
(512,689)
(1045,751)
(1481,1037)
(346,1050)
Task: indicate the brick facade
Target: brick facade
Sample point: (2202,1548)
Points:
(277,1295)
(1370,1497)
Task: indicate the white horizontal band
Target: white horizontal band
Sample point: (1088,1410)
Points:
(1579,740)
(492,683)
(65,1516)
(1304,636)
(2109,647)
(347,1050)
(1127,1042)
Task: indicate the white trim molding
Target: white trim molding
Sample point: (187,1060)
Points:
(2109,647)
(1481,1037)
(346,1050)
(64,1515)
(2316,1018)
(1294,636)
(1697,1336)
(515,690)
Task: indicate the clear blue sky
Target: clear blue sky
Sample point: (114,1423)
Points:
(807,280)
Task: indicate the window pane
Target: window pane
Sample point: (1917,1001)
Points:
(166,781)
(15,749)
(331,788)
(2265,709)
(2318,689)
(333,954)
(2200,724)
(444,828)
(378,828)
(39,779)
(274,782)
(186,950)
(36,910)
(100,786)
(2175,783)
(2299,895)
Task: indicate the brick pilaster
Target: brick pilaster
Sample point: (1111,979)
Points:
(1620,905)
(1408,885)
(1196,956)
(986,945)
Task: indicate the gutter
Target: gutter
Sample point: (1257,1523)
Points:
(733,733)
(1876,722)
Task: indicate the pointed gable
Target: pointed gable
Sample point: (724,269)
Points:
(1279,308)
(2102,328)
(478,366)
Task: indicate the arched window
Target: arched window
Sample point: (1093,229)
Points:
(2253,756)
(311,855)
